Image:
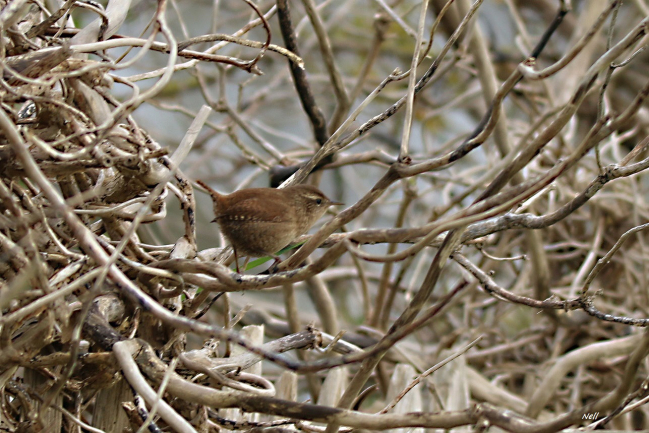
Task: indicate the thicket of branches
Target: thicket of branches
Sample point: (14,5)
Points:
(489,267)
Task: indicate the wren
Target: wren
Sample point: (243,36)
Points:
(261,221)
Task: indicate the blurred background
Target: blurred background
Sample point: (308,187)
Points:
(577,137)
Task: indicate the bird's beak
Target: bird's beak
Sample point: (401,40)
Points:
(336,203)
(213,221)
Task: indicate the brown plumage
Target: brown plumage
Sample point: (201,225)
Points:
(261,221)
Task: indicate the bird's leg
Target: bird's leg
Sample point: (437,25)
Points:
(236,260)
(273,268)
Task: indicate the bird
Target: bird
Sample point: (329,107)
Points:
(260,222)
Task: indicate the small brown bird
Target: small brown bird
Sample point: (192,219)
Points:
(261,221)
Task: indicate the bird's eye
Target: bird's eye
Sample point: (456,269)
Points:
(318,201)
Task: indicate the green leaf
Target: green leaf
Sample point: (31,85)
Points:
(260,261)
